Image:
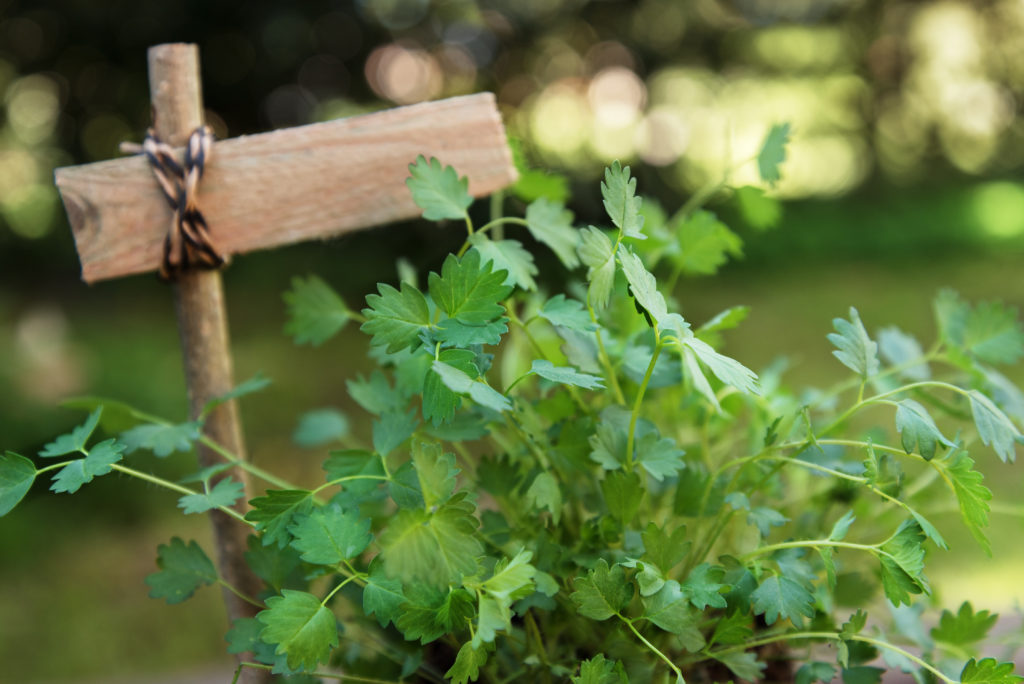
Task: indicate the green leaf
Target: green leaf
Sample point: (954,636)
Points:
(404,487)
(856,349)
(842,526)
(670,610)
(760,211)
(898,348)
(469,290)
(512,580)
(989,671)
(764,519)
(773,153)
(603,592)
(598,670)
(598,254)
(729,371)
(917,429)
(224,493)
(659,456)
(396,317)
(438,548)
(643,286)
(508,256)
(704,587)
(567,313)
(330,535)
(254,384)
(704,244)
(621,202)
(435,470)
(392,429)
(183,569)
(439,402)
(301,627)
(275,512)
(375,394)
(862,675)
(244,635)
(438,191)
(951,314)
(274,565)
(101,456)
(902,561)
(432,612)
(993,334)
(815,672)
(453,332)
(994,427)
(550,223)
(315,311)
(74,440)
(17,474)
(467,664)
(355,463)
(565,375)
(663,549)
(383,596)
(623,493)
(117,416)
(724,320)
(733,628)
(162,440)
(782,597)
(744,665)
(608,445)
(460,383)
(320,427)
(971,495)
(964,628)
(544,493)
(882,471)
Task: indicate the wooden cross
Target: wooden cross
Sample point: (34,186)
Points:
(258,192)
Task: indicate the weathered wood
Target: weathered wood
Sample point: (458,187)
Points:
(288,185)
(202,322)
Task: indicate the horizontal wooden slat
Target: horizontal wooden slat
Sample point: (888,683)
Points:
(286,186)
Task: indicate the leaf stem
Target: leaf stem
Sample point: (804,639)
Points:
(335,590)
(613,380)
(668,661)
(234,590)
(267,477)
(159,481)
(634,416)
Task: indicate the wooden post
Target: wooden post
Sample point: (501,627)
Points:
(177,99)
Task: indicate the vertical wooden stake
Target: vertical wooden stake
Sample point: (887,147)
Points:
(177,99)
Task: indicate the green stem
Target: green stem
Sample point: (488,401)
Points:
(55,466)
(613,380)
(668,661)
(335,590)
(325,675)
(501,221)
(635,415)
(234,590)
(861,403)
(267,477)
(159,481)
(349,478)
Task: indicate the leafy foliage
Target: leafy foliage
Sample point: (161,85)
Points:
(183,569)
(315,312)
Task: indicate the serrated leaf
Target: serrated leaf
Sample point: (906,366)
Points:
(274,565)
(183,569)
(468,662)
(244,635)
(254,384)
(319,427)
(743,664)
(224,493)
(643,286)
(733,628)
(989,671)
(598,670)
(375,394)
(431,612)
(994,427)
(382,596)
(608,445)
(951,316)
(623,493)
(882,471)
(773,153)
(663,549)
(452,332)
(17,474)
(669,609)
(97,462)
(117,416)
(439,402)
(602,592)
(782,597)
(301,628)
(815,672)
(964,628)
(971,495)
(704,587)
(460,383)
(469,290)
(74,440)
(917,429)
(842,526)
(565,375)
(728,370)
(162,440)
(598,254)
(567,313)
(760,211)
(705,244)
(392,428)
(855,348)
(355,463)
(315,311)
(438,548)
(396,318)
(508,256)
(902,561)
(724,320)
(330,535)
(898,348)
(544,493)
(435,470)
(659,456)
(275,512)
(993,334)
(764,519)
(438,190)
(551,224)
(621,201)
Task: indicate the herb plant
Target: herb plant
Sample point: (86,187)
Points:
(581,487)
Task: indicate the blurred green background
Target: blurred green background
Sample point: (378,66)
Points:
(903,176)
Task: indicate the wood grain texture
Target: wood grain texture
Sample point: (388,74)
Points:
(286,186)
